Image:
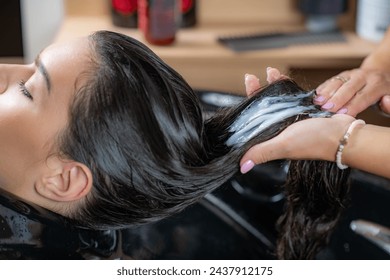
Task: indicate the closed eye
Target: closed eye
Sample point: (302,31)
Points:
(24,90)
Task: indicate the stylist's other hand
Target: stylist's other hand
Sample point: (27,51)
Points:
(352,91)
(311,139)
(252,83)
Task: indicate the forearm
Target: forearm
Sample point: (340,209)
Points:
(379,59)
(368,149)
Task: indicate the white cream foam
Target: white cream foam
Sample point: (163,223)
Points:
(262,114)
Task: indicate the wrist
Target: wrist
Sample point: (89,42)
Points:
(335,129)
(345,143)
(376,62)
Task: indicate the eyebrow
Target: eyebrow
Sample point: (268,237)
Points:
(43,71)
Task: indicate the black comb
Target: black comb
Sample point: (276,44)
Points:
(264,41)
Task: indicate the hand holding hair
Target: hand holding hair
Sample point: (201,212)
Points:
(290,144)
(319,139)
(311,139)
(353,91)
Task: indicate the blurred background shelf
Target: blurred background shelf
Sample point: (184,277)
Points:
(205,63)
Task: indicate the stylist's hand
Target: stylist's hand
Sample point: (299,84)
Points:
(321,139)
(352,91)
(315,139)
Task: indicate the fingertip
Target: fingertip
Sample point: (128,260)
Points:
(319,99)
(343,110)
(250,77)
(273,74)
(247,166)
(328,106)
(252,83)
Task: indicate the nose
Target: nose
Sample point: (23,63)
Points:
(2,84)
(14,73)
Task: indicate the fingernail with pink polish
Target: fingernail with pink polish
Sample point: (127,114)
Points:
(328,106)
(319,98)
(342,111)
(247,166)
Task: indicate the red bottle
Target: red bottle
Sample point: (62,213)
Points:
(159,20)
(124,13)
(188,11)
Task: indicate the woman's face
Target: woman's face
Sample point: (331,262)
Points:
(34,103)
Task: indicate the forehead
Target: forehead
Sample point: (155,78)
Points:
(71,51)
(66,62)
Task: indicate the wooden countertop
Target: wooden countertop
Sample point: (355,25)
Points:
(207,64)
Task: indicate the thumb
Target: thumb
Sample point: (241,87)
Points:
(258,154)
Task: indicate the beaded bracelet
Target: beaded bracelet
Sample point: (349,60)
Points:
(344,141)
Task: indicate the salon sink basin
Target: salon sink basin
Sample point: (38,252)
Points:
(237,221)
(364,231)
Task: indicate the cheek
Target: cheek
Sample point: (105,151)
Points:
(12,110)
(18,128)
(16,134)
(18,147)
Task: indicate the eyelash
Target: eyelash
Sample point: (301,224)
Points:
(24,90)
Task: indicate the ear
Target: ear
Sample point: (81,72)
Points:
(69,181)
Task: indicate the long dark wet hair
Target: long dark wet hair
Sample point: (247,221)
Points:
(139,127)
